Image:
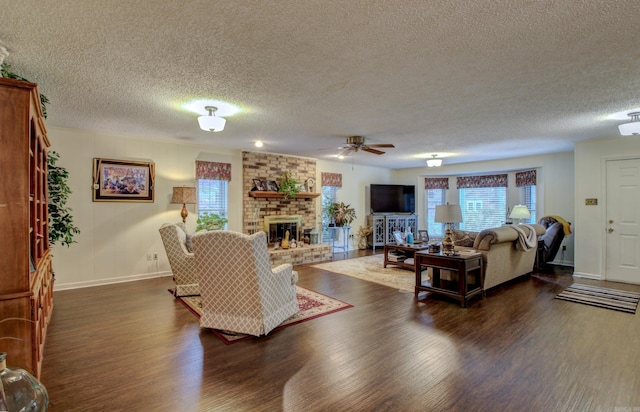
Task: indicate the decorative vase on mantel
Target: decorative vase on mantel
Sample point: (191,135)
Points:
(19,390)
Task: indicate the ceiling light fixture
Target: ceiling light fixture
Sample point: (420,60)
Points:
(631,128)
(434,162)
(259,143)
(211,123)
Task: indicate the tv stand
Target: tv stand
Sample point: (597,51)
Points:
(383,227)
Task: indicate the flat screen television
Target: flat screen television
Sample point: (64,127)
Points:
(393,198)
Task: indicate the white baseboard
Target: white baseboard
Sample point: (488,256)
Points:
(587,275)
(77,285)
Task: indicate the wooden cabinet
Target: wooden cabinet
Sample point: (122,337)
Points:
(383,227)
(26,279)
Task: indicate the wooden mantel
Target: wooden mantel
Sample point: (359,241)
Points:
(264,194)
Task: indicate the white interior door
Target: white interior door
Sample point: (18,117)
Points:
(623,221)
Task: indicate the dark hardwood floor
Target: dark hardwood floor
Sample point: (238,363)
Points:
(133,347)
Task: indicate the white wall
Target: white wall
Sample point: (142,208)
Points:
(356,180)
(116,237)
(554,186)
(590,170)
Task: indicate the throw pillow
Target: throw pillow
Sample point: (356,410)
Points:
(463,238)
(188,242)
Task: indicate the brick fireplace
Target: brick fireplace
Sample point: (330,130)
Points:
(266,166)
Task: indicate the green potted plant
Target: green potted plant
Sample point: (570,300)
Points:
(288,185)
(341,214)
(211,221)
(61,227)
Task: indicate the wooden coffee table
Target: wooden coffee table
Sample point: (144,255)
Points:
(408,250)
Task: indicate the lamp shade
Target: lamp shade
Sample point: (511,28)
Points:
(184,195)
(520,212)
(211,123)
(448,214)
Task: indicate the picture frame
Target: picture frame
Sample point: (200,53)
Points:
(399,239)
(258,185)
(271,185)
(123,180)
(423,236)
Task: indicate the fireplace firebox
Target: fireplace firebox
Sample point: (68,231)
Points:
(276,226)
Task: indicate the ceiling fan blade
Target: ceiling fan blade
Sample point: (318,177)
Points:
(381,145)
(346,152)
(370,150)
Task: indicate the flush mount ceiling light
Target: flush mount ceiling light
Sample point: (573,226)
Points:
(434,162)
(631,128)
(211,123)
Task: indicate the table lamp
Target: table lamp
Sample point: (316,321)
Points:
(448,214)
(184,195)
(520,212)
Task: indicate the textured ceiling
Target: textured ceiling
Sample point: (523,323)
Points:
(469,80)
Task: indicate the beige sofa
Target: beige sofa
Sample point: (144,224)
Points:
(503,257)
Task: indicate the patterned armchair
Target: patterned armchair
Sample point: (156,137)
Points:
(182,262)
(240,291)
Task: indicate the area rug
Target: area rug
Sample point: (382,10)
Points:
(602,297)
(370,268)
(312,305)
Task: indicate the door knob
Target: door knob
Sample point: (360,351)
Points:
(609,230)
(610,221)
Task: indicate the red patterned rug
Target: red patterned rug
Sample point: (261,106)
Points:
(312,305)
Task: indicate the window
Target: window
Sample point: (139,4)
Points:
(526,184)
(329,195)
(213,196)
(528,198)
(435,197)
(488,210)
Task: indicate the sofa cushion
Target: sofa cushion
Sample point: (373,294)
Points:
(463,238)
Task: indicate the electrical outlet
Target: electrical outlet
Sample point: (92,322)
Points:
(155,256)
(149,256)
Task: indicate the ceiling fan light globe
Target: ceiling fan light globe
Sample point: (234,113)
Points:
(434,162)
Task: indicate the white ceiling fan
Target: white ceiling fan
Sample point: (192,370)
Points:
(356,143)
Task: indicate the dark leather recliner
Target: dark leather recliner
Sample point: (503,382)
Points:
(552,238)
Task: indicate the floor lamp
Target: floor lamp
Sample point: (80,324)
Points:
(186,196)
(448,214)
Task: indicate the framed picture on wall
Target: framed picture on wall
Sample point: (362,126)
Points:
(122,180)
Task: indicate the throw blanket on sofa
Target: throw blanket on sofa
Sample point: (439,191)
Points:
(525,241)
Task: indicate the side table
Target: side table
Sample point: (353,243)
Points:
(468,268)
(345,237)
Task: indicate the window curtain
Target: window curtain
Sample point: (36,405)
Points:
(436,183)
(332,179)
(526,178)
(470,182)
(213,171)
